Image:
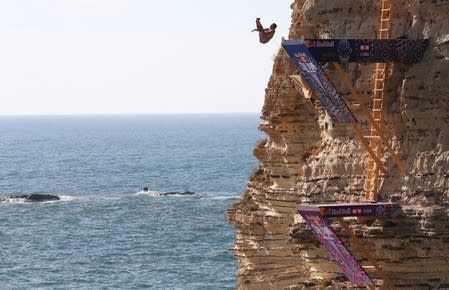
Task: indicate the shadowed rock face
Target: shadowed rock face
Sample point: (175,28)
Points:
(306,159)
(36,197)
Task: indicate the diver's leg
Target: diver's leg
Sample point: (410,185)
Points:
(258,25)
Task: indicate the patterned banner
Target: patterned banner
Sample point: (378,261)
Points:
(377,209)
(319,82)
(336,249)
(366,50)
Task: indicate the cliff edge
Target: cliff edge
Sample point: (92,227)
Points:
(306,159)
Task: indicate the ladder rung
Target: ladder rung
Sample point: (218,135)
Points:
(372,137)
(384,29)
(377,110)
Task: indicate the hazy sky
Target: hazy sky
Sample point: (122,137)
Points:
(136,56)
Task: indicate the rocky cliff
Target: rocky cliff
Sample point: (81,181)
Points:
(307,159)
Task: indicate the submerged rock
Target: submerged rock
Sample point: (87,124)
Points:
(147,190)
(177,193)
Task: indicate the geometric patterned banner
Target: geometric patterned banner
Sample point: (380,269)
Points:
(315,216)
(367,50)
(377,209)
(319,83)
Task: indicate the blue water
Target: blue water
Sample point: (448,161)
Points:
(102,235)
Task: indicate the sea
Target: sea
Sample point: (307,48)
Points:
(105,232)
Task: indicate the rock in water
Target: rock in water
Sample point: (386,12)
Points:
(42,197)
(36,197)
(177,193)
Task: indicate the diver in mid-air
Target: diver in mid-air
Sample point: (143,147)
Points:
(265,34)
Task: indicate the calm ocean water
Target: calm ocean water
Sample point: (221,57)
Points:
(102,235)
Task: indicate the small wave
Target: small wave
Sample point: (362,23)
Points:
(66,197)
(148,193)
(13,200)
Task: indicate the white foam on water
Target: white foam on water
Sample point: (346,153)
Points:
(66,197)
(224,197)
(14,200)
(148,193)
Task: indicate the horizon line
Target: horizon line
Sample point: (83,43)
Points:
(127,114)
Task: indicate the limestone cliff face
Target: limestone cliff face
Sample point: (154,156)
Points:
(307,159)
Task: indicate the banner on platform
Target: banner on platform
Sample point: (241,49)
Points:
(320,84)
(367,50)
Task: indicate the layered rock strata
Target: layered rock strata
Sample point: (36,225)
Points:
(306,159)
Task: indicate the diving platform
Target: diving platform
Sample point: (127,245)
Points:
(319,82)
(374,209)
(307,54)
(400,50)
(316,217)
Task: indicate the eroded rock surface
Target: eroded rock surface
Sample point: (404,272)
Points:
(307,159)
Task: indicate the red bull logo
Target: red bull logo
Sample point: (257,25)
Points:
(302,57)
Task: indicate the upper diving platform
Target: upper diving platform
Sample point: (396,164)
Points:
(361,50)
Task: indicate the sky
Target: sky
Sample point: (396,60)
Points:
(136,56)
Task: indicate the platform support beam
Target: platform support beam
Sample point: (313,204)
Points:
(365,111)
(366,254)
